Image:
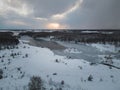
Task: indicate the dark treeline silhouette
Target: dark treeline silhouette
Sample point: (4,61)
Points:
(85,36)
(7,38)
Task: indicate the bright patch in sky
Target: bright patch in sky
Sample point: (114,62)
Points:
(56,26)
(53,26)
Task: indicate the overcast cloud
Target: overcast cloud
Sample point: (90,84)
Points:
(59,14)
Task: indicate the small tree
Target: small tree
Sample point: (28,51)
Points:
(35,83)
(26,55)
(90,78)
(1,73)
(62,82)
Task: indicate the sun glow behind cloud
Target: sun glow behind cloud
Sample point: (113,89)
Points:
(56,26)
(61,16)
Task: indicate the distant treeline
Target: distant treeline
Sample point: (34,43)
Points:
(85,36)
(7,38)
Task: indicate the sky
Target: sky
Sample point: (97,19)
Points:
(59,14)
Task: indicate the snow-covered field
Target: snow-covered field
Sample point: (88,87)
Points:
(25,61)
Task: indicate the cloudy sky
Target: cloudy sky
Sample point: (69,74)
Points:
(59,14)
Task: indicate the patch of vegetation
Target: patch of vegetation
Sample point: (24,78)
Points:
(57,61)
(36,83)
(54,73)
(1,73)
(7,38)
(90,78)
(62,82)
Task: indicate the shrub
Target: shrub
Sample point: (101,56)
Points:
(90,78)
(35,83)
(1,73)
(26,55)
(57,60)
(62,82)
(54,73)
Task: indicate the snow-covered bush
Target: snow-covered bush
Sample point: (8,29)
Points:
(2,60)
(101,79)
(108,59)
(35,83)
(54,73)
(90,78)
(1,73)
(57,61)
(62,82)
(26,55)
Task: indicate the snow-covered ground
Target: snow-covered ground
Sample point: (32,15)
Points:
(104,48)
(37,61)
(72,50)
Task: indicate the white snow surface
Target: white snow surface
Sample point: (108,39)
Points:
(72,50)
(104,48)
(42,62)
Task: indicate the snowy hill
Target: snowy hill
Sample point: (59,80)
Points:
(25,61)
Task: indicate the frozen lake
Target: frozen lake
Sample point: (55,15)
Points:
(89,52)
